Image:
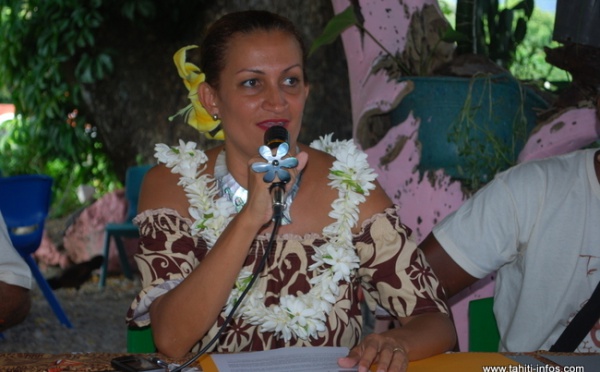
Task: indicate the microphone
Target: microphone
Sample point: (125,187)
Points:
(274,137)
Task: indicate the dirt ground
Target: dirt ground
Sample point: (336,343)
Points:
(97,315)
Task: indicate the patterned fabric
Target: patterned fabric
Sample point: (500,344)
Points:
(393,271)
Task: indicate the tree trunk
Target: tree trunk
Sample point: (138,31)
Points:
(131,108)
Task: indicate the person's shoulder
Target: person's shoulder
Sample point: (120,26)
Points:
(317,153)
(161,188)
(561,164)
(160,174)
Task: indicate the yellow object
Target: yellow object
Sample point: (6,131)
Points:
(195,114)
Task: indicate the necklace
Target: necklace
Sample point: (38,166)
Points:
(238,195)
(304,315)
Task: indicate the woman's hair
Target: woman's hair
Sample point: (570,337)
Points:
(215,44)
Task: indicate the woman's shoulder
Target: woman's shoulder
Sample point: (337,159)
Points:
(161,187)
(317,154)
(159,176)
(319,162)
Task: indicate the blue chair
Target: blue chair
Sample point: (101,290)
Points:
(133,182)
(25,203)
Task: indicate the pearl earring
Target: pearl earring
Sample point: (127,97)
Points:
(215,117)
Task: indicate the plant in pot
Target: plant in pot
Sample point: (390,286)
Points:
(474,114)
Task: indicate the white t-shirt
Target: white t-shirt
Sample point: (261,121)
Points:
(13,268)
(539,224)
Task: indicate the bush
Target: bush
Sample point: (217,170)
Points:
(24,149)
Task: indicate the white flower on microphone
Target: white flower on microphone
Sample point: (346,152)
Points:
(275,165)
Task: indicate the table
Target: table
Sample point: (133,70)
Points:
(97,362)
(30,362)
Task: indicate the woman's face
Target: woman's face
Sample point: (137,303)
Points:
(261,85)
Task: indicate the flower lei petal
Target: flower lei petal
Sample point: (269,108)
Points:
(301,316)
(195,114)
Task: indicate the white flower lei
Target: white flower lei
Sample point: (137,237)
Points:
(295,316)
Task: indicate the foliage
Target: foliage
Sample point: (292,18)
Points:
(4,95)
(492,30)
(530,59)
(48,136)
(483,143)
(529,62)
(49,51)
(20,146)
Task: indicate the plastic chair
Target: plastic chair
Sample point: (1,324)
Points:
(25,203)
(133,182)
(483,330)
(140,340)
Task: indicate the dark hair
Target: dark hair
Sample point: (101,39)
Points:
(219,34)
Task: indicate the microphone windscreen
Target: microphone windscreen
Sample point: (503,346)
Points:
(275,136)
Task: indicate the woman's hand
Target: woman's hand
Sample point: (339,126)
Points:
(386,352)
(260,202)
(420,336)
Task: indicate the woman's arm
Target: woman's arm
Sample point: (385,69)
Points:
(183,315)
(452,277)
(16,303)
(399,270)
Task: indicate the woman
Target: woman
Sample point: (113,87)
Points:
(202,234)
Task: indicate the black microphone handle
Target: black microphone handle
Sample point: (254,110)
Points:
(275,136)
(278,194)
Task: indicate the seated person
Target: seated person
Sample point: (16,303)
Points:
(538,224)
(15,282)
(206,218)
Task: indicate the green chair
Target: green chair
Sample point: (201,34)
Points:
(140,340)
(483,330)
(117,231)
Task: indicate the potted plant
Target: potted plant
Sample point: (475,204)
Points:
(475,116)
(490,30)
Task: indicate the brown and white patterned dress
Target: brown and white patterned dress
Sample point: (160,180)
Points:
(393,273)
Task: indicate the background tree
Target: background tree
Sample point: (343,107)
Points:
(94,81)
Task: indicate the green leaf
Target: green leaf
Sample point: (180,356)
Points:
(520,30)
(128,10)
(336,25)
(525,5)
(453,36)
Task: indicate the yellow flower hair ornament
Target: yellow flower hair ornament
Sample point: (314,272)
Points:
(195,114)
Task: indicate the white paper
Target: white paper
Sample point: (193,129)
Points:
(291,359)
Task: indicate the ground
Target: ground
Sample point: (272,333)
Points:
(98,318)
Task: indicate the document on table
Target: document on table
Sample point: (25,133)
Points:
(290,359)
